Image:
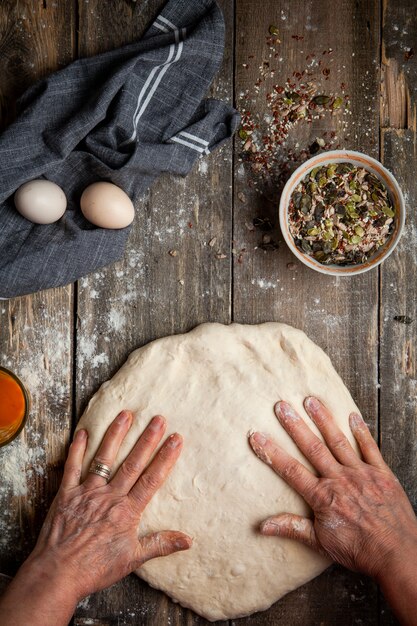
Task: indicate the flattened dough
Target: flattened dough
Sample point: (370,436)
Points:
(214,384)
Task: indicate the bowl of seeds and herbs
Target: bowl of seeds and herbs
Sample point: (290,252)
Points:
(342,212)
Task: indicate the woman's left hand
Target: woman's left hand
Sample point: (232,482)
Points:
(90,537)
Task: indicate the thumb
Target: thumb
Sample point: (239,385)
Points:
(161,544)
(292,527)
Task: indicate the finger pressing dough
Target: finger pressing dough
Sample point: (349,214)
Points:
(215,384)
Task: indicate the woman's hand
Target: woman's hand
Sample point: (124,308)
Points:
(361,516)
(90,537)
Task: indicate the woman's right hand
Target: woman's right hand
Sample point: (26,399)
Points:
(362,517)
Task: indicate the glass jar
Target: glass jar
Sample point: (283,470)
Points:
(14,406)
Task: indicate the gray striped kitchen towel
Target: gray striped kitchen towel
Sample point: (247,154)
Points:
(125,116)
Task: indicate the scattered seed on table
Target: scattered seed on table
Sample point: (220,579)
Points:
(403,319)
(267,151)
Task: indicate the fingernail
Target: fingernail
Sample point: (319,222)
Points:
(156,423)
(182,543)
(285,411)
(259,438)
(174,441)
(81,434)
(268,526)
(312,403)
(356,420)
(123,418)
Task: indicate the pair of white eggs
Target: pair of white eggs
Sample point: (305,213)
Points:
(103,204)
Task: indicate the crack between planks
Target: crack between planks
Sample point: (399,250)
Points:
(379,309)
(75,285)
(76,36)
(232,272)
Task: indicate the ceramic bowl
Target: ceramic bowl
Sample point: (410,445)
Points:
(357,159)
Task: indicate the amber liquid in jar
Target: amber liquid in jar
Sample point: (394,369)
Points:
(13,407)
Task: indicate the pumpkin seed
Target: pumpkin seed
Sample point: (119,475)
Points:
(293,95)
(306,246)
(403,319)
(337,103)
(314,148)
(388,211)
(321,100)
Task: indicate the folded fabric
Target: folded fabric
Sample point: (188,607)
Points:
(125,116)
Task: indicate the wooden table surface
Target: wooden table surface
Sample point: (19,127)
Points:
(66,342)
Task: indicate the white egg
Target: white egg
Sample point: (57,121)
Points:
(107,206)
(40,201)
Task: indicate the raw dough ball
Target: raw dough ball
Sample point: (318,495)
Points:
(40,201)
(214,385)
(107,206)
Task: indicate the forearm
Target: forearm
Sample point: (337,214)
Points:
(37,596)
(399,583)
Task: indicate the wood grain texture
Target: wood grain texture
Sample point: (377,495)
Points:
(340,314)
(399,65)
(36,38)
(151,293)
(35,331)
(398,369)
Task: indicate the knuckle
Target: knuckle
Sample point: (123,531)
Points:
(340,443)
(315,449)
(102,458)
(74,470)
(163,549)
(165,452)
(291,470)
(149,482)
(147,437)
(322,495)
(130,469)
(386,484)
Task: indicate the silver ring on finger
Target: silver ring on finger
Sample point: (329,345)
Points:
(100,469)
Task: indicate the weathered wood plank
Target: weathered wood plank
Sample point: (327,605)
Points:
(151,293)
(398,372)
(35,331)
(339,314)
(36,38)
